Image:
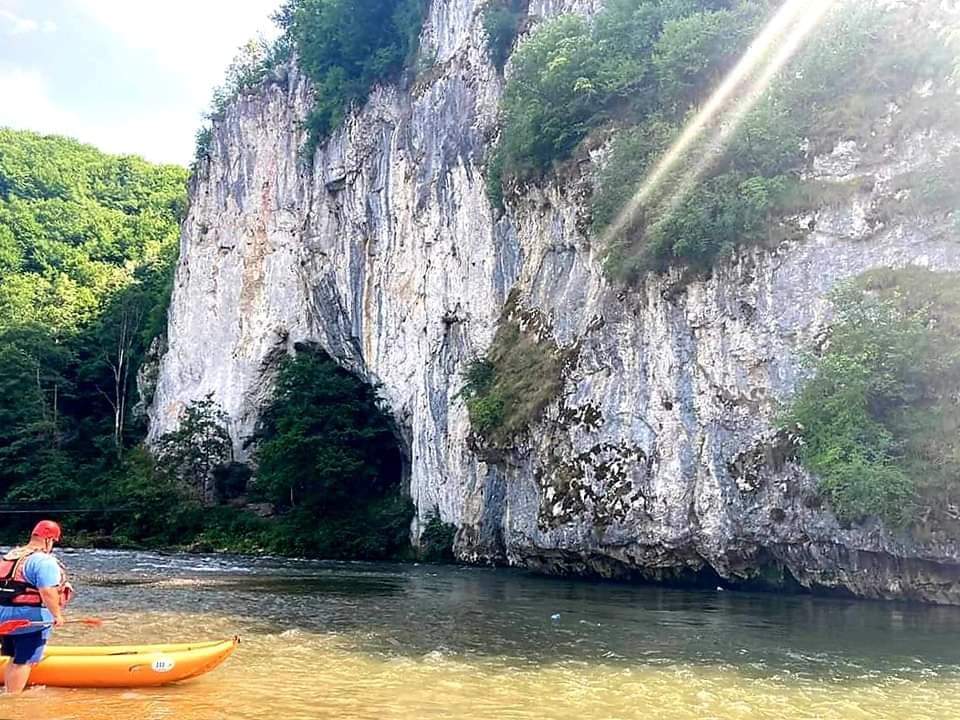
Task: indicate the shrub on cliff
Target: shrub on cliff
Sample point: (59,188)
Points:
(879,419)
(641,69)
(346,47)
(248,69)
(573,75)
(836,88)
(509,388)
(501,22)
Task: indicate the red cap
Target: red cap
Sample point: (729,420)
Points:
(46,529)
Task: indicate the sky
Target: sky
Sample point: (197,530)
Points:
(128,76)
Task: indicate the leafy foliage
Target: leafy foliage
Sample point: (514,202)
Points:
(487,412)
(493,179)
(879,420)
(247,70)
(835,89)
(87,243)
(436,541)
(572,75)
(551,96)
(509,388)
(932,188)
(202,147)
(75,224)
(142,506)
(197,447)
(501,22)
(346,47)
(328,456)
(643,67)
(484,403)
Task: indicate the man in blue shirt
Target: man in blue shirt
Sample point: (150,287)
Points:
(34,587)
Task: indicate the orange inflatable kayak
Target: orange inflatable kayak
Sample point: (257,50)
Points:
(130,666)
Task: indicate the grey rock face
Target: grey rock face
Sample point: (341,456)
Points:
(659,460)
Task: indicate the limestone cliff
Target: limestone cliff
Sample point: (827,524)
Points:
(659,458)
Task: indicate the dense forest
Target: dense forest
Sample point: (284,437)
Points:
(87,242)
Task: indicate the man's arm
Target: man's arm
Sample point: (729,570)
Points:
(43,572)
(51,601)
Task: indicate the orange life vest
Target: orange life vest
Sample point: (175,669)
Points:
(15,591)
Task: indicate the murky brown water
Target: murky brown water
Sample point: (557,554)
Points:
(343,640)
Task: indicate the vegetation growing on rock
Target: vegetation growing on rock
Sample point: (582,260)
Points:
(634,60)
(501,22)
(346,47)
(931,190)
(640,69)
(247,71)
(879,421)
(521,373)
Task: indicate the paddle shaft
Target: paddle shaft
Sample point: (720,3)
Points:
(13,625)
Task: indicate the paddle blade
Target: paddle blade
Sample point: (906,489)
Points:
(90,622)
(13,625)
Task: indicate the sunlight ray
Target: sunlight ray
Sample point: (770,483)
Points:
(791,25)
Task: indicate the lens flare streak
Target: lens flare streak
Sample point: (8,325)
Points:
(782,37)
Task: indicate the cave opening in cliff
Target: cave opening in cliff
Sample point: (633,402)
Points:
(329,459)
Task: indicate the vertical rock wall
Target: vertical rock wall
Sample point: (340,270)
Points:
(654,461)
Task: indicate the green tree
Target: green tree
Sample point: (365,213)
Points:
(878,420)
(346,47)
(328,456)
(34,428)
(199,445)
(248,69)
(325,441)
(554,93)
(436,540)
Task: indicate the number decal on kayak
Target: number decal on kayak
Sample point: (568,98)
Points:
(163,664)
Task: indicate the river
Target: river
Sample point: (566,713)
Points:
(358,640)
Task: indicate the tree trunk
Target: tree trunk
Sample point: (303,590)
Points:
(130,319)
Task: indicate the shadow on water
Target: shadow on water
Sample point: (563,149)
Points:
(520,618)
